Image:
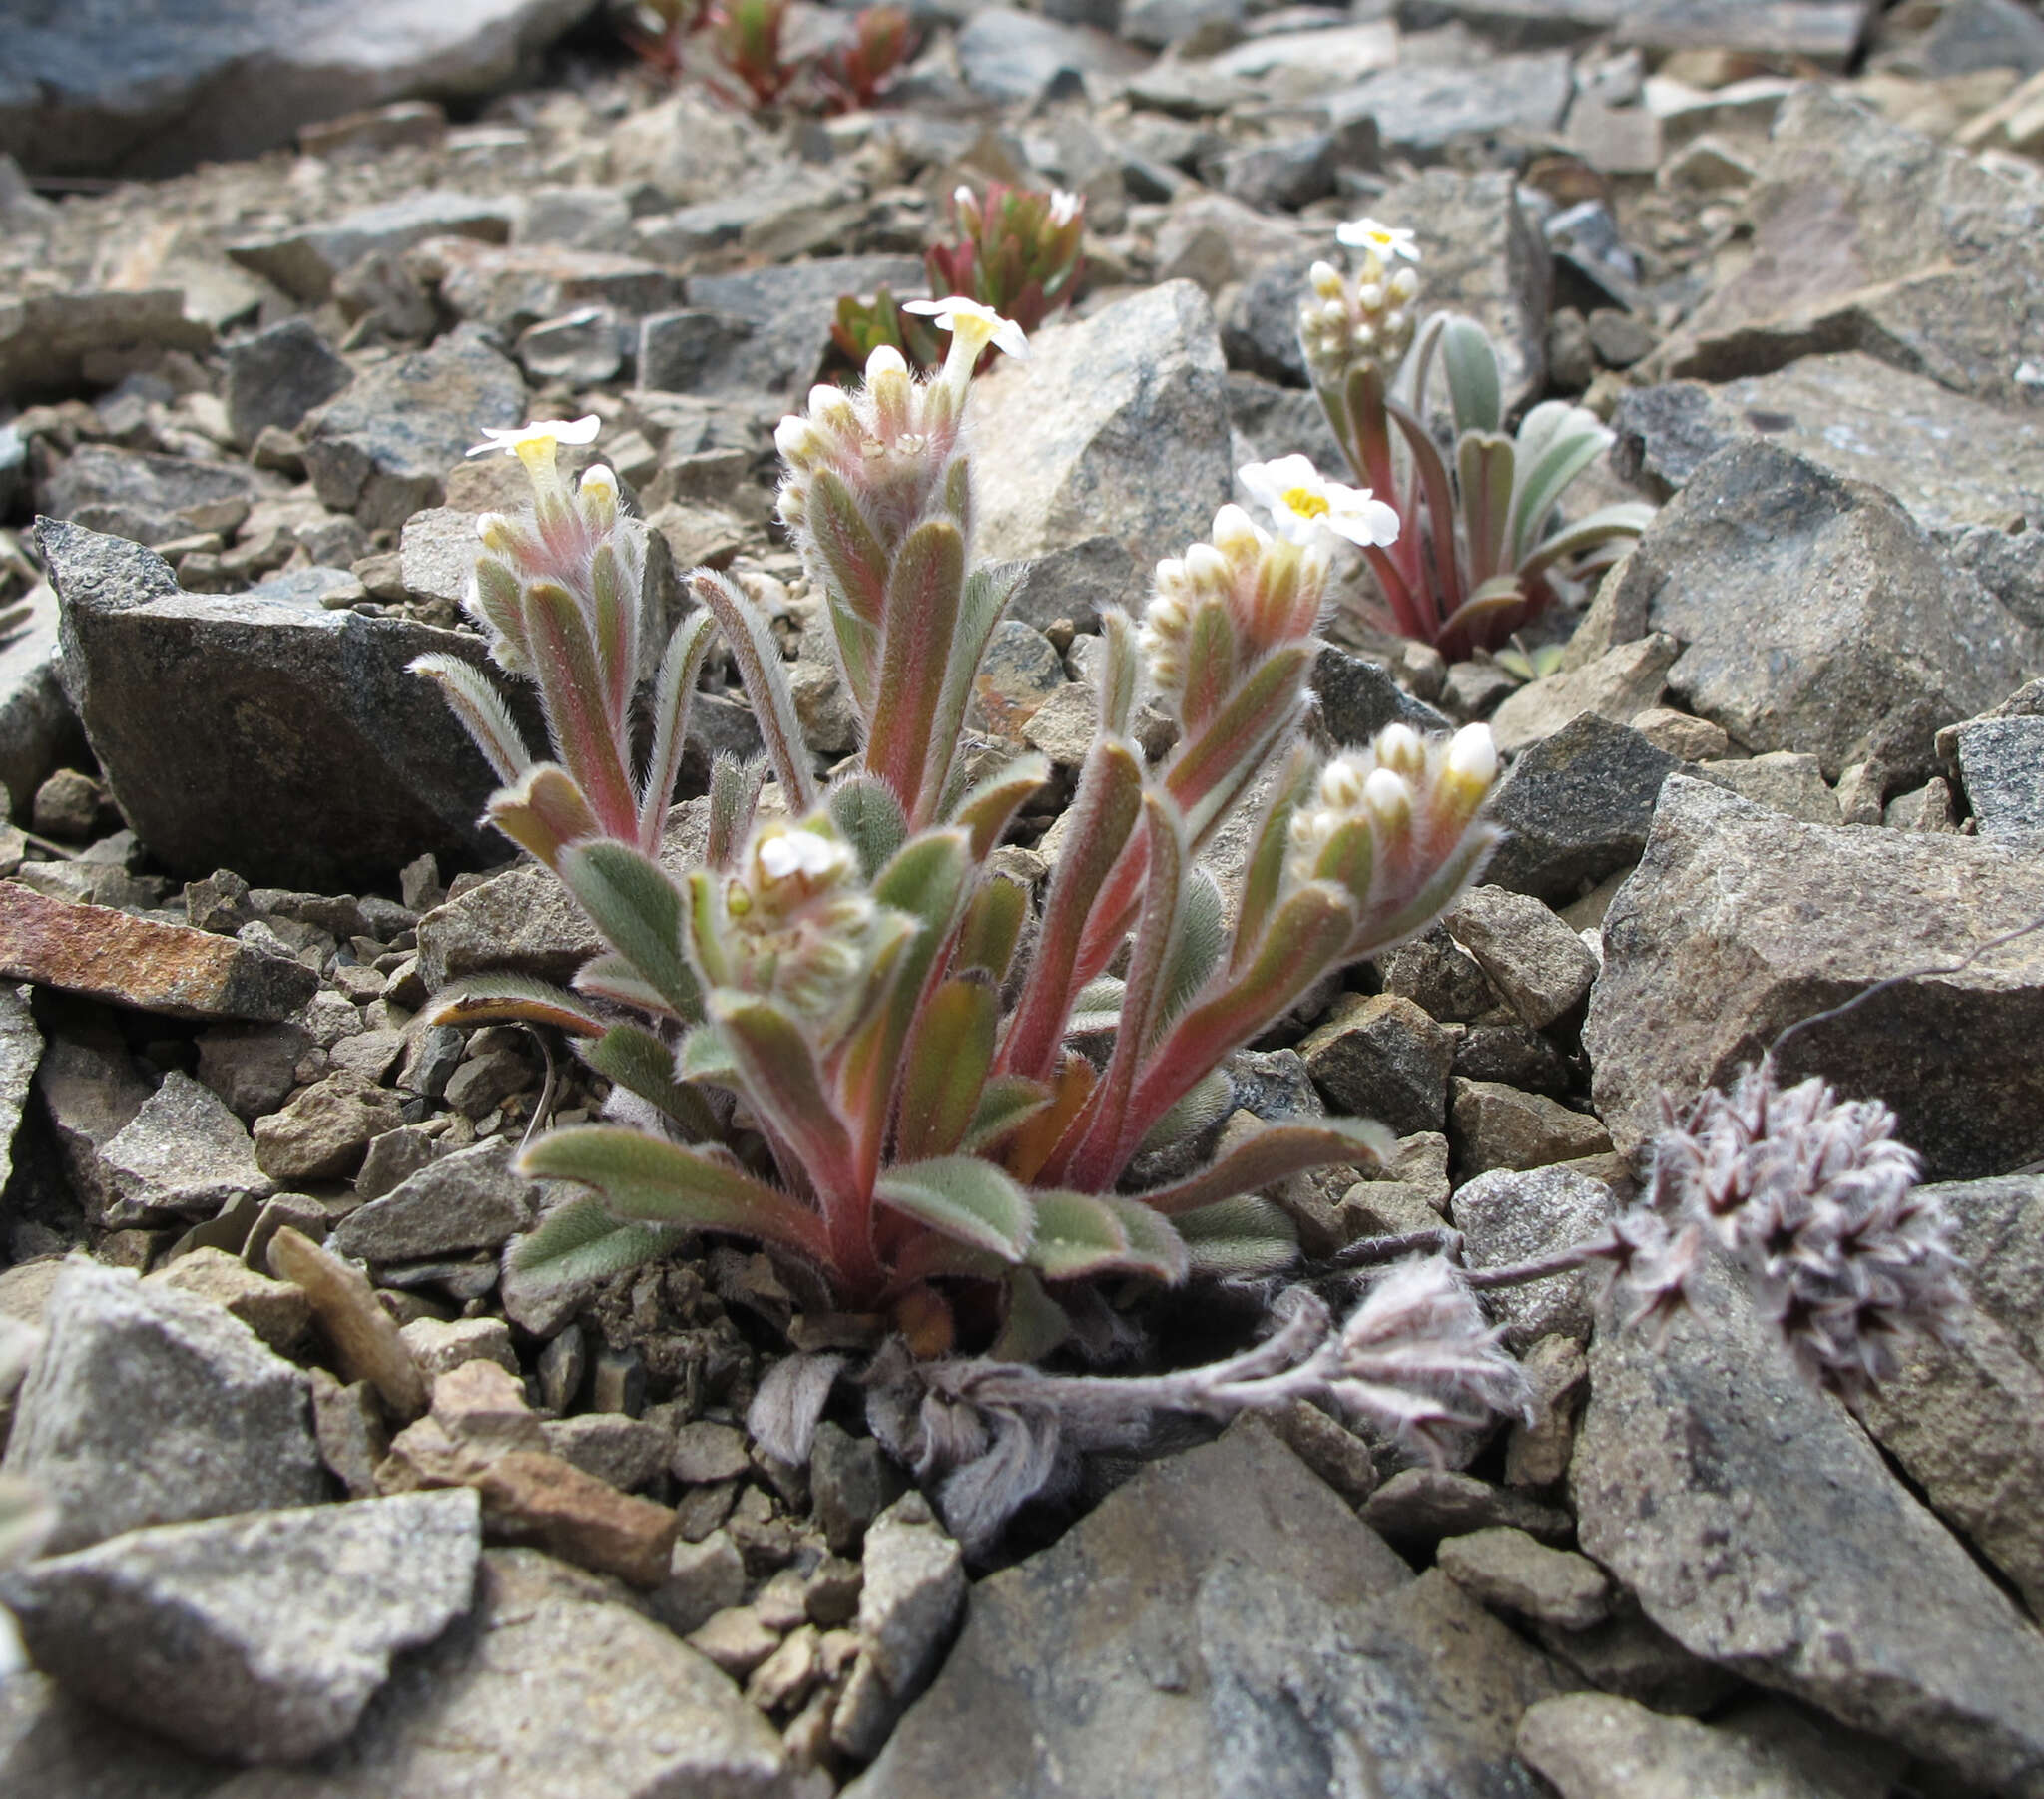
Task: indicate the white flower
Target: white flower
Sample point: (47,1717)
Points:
(1386,240)
(1064,206)
(976,324)
(799,852)
(547,431)
(1304,502)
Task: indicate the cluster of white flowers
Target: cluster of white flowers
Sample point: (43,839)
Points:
(1366,319)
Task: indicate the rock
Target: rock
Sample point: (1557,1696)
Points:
(147,1406)
(788,309)
(1870,237)
(97,92)
(522,920)
(1597,1746)
(1358,698)
(631,1713)
(2002,763)
(1781,780)
(277,376)
(322,1134)
(438,1345)
(1065,724)
(1965,1421)
(141,964)
(1576,807)
(468,1200)
(1513,1215)
(543,1501)
(46,338)
(306,264)
(1497,1126)
(1380,1056)
(582,347)
(1972,34)
(508,288)
(1116,425)
(21,1049)
(1441,976)
(1879,1617)
(1739,922)
(1815,615)
(1220,1624)
(1506,1567)
(184,1154)
(625,1453)
(1542,969)
(1281,174)
(36,725)
(365,1340)
(704,1579)
(1008,55)
(146,497)
(1423,1505)
(851,1481)
(706,1451)
(914,1590)
(1950,460)
(382,447)
(255,1638)
(1617,685)
(341,765)
(274,1310)
(251,1067)
(1421,110)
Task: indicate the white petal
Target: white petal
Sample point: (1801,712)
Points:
(929,308)
(1010,339)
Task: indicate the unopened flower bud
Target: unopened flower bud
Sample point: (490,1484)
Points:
(1473,757)
(1405,286)
(1341,784)
(1326,281)
(1235,533)
(1399,747)
(884,360)
(1388,798)
(1207,568)
(796,439)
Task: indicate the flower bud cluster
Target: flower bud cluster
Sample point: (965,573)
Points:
(895,441)
(1820,1204)
(798,924)
(571,539)
(1382,820)
(1268,590)
(1365,319)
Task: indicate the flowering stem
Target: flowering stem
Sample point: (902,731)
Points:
(1540,1267)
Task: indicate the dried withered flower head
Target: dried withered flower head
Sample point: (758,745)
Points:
(1819,1203)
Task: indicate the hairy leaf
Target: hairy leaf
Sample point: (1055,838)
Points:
(925,594)
(581,1241)
(680,669)
(1275,1153)
(482,712)
(950,1050)
(964,1197)
(641,912)
(1238,1237)
(509,999)
(757,655)
(870,818)
(642,1063)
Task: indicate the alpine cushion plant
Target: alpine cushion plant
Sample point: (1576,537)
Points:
(1478,553)
(843,1034)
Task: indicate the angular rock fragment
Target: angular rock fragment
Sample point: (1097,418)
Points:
(1575,808)
(1815,616)
(253,1638)
(141,964)
(1739,922)
(468,1201)
(1704,1460)
(149,1406)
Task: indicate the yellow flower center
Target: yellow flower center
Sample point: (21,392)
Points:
(1305,503)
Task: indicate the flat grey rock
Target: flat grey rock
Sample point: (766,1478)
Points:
(1815,616)
(789,311)
(21,1049)
(1223,1624)
(266,734)
(1951,460)
(629,1710)
(1760,1528)
(147,1406)
(1740,921)
(253,1638)
(1419,112)
(1515,1215)
(468,1201)
(97,88)
(183,1154)
(1116,426)
(1575,808)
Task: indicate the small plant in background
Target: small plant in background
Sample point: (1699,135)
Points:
(855,74)
(1476,559)
(1018,255)
(745,35)
(658,31)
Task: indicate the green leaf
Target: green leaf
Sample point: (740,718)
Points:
(1627,518)
(1005,1102)
(1079,1234)
(757,652)
(1275,1153)
(1211,1100)
(964,1197)
(642,1063)
(646,1180)
(543,811)
(581,1241)
(951,1050)
(1196,948)
(925,594)
(481,709)
(781,1078)
(987,809)
(854,564)
(641,912)
(992,927)
(571,682)
(988,591)
(1212,770)
(1263,871)
(1470,366)
(1120,672)
(1579,442)
(680,667)
(706,1055)
(509,999)
(1485,464)
(1238,1237)
(1035,1323)
(608,976)
(869,818)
